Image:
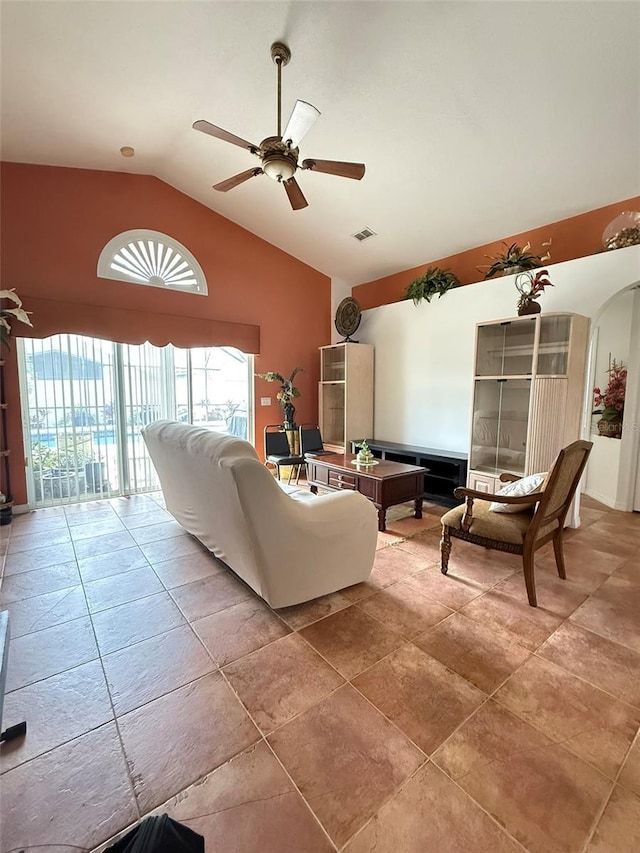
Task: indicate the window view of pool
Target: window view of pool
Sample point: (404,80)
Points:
(84,401)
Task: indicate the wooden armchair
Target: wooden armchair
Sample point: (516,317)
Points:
(521,532)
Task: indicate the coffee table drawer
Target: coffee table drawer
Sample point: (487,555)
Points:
(340,480)
(368,488)
(318,473)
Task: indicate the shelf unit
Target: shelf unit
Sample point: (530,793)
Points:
(6,508)
(345,394)
(528,389)
(446,469)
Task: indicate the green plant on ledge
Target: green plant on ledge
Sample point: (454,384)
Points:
(515,259)
(435,281)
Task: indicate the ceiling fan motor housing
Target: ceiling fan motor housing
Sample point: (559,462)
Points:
(278,160)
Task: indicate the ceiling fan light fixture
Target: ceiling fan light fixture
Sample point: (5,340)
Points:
(278,167)
(279,153)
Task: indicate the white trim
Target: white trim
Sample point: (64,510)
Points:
(154,259)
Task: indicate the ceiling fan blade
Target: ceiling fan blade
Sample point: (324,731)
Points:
(300,122)
(218,132)
(336,167)
(297,199)
(230,183)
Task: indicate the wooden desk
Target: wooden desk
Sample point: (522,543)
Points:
(385,484)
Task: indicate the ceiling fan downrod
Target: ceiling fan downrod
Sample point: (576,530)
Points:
(281,55)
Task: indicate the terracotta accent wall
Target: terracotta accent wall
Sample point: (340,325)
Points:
(575,237)
(56,221)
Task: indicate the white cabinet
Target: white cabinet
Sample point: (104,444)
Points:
(483,483)
(528,392)
(345,402)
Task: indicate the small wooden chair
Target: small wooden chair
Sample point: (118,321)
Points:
(521,532)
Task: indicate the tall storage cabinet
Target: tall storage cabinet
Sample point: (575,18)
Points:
(345,402)
(528,394)
(5,478)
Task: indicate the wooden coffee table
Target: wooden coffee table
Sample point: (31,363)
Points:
(385,484)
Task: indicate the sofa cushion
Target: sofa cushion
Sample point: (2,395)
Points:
(296,492)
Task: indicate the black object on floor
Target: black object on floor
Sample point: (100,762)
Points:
(159,834)
(19,729)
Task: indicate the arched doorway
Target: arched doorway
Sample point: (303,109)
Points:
(613,473)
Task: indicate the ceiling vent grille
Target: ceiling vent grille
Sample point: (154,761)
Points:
(151,258)
(364,234)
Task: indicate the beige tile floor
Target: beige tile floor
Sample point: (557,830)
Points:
(414,713)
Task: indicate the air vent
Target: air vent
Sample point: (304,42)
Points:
(364,234)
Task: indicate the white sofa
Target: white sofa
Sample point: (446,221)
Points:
(289,547)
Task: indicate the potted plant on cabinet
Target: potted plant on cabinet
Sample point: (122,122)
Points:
(531,287)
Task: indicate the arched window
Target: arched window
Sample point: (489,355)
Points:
(152,258)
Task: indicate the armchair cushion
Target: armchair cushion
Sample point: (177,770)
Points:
(525,486)
(488,525)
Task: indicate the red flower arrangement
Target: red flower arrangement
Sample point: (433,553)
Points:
(611,400)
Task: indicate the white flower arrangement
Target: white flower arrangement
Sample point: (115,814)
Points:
(6,314)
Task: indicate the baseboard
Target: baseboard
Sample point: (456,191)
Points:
(604,499)
(20,509)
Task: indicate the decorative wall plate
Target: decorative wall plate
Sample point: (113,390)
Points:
(348,318)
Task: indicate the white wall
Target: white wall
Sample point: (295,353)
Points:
(424,354)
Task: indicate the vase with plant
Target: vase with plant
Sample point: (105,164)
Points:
(610,402)
(287,393)
(434,282)
(516,259)
(365,455)
(531,287)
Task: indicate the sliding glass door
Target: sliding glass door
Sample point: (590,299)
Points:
(84,402)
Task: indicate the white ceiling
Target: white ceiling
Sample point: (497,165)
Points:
(475,120)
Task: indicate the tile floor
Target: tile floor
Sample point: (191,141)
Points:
(410,714)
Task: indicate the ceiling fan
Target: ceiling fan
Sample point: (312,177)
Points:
(279,154)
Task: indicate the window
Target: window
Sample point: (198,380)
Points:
(151,258)
(85,400)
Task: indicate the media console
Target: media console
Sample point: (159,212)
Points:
(447,469)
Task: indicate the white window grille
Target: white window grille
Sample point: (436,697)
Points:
(149,257)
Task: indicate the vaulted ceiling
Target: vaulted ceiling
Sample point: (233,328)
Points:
(475,120)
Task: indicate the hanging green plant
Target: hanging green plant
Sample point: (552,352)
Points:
(434,282)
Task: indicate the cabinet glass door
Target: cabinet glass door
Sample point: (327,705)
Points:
(553,349)
(333,413)
(506,349)
(332,364)
(500,419)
